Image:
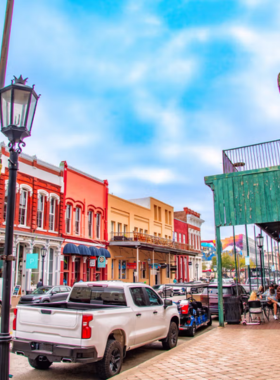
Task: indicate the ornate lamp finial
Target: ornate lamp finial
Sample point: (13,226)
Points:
(20,80)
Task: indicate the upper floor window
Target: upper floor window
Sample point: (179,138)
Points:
(98,221)
(175,236)
(77,221)
(159,214)
(52,214)
(40,211)
(179,238)
(68,219)
(23,207)
(184,238)
(119,228)
(90,219)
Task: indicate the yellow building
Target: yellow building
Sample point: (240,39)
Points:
(141,241)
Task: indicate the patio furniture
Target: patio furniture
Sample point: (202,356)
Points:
(255,309)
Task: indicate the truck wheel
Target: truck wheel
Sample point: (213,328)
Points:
(111,363)
(191,331)
(40,364)
(172,337)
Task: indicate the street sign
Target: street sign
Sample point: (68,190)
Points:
(32,261)
(101,262)
(92,263)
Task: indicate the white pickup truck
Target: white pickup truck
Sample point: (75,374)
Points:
(99,322)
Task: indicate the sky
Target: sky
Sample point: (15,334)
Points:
(147,93)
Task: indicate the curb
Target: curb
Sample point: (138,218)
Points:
(124,375)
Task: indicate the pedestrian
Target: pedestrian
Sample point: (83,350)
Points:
(261,290)
(40,283)
(271,299)
(64,281)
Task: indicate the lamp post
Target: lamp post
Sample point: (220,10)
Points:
(17,107)
(149,265)
(43,254)
(259,239)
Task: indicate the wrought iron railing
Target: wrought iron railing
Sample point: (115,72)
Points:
(150,239)
(251,157)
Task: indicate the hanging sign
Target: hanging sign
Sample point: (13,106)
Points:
(247,260)
(32,261)
(101,262)
(92,263)
(131,265)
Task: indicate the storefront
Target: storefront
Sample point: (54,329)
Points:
(82,263)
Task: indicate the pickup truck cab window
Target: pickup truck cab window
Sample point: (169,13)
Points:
(154,299)
(98,295)
(138,296)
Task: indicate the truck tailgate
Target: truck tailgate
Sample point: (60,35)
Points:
(59,322)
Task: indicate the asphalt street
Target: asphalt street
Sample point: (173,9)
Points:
(21,369)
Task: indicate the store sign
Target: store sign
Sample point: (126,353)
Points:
(17,290)
(92,263)
(32,261)
(155,266)
(101,262)
(131,265)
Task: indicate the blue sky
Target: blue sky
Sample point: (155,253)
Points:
(147,93)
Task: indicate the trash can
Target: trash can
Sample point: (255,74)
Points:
(232,309)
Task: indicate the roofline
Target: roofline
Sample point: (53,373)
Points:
(85,174)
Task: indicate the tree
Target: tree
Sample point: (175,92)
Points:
(204,266)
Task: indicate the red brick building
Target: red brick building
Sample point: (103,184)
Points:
(187,229)
(85,227)
(38,218)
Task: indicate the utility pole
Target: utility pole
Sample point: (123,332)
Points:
(6,41)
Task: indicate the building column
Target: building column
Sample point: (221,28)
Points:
(84,278)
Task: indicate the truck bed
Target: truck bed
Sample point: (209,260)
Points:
(73,306)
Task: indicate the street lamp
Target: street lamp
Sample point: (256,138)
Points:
(259,239)
(149,264)
(17,108)
(43,254)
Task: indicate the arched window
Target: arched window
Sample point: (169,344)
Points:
(23,207)
(41,206)
(52,214)
(98,222)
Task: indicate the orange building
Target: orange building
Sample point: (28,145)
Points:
(85,227)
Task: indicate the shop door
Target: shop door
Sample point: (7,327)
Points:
(157,278)
(77,273)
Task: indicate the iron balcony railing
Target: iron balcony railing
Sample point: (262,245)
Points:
(150,239)
(251,157)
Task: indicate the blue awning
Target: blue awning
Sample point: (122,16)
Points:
(95,251)
(71,249)
(84,250)
(105,253)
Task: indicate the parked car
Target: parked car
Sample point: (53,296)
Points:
(99,322)
(255,283)
(179,290)
(163,290)
(229,290)
(46,294)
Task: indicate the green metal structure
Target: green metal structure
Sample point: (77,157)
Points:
(247,193)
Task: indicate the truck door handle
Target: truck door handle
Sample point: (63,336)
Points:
(155,312)
(138,315)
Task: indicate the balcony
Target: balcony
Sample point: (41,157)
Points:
(151,240)
(250,157)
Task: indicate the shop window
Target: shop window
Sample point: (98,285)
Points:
(40,211)
(51,264)
(112,269)
(66,260)
(98,221)
(77,220)
(52,214)
(143,269)
(36,274)
(168,271)
(68,218)
(122,269)
(90,220)
(23,208)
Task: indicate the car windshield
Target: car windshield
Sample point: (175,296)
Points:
(98,295)
(215,290)
(42,290)
(156,287)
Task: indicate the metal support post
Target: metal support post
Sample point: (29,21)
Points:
(235,261)
(257,271)
(272,253)
(137,264)
(154,267)
(220,278)
(5,337)
(248,255)
(6,41)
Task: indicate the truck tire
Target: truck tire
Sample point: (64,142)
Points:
(172,337)
(192,330)
(40,364)
(111,363)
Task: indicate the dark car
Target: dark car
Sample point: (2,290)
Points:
(229,290)
(163,290)
(46,294)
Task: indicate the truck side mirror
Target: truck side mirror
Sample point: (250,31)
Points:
(167,303)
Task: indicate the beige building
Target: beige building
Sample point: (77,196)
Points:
(141,241)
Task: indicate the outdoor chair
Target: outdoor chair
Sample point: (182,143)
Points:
(255,309)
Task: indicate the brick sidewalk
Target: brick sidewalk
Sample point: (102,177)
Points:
(223,353)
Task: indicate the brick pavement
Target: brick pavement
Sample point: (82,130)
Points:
(234,352)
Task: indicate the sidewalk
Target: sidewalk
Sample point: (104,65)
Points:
(233,352)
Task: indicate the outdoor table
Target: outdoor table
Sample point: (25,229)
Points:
(264,307)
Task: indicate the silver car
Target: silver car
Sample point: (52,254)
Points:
(46,294)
